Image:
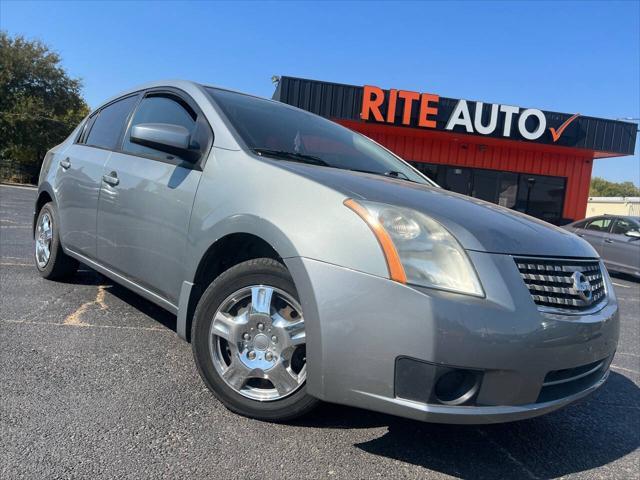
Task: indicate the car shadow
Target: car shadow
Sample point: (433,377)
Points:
(580,437)
(151,310)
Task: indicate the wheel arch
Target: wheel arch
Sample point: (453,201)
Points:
(238,240)
(45,195)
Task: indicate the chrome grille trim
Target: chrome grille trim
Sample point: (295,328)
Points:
(551,286)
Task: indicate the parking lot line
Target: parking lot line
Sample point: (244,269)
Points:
(625,369)
(76,317)
(88,325)
(629,354)
(620,285)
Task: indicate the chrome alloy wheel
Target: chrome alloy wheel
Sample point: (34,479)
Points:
(44,233)
(257,343)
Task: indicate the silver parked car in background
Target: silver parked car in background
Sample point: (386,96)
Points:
(616,238)
(305,262)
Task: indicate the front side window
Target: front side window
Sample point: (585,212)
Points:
(159,109)
(622,226)
(599,225)
(278,131)
(109,122)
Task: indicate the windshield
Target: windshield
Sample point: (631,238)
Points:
(277,131)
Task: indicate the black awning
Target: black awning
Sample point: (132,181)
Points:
(340,101)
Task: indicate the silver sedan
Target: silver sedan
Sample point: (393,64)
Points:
(305,262)
(615,238)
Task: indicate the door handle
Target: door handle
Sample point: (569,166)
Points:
(111,179)
(66,163)
(608,240)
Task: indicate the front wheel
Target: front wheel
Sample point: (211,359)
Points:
(249,339)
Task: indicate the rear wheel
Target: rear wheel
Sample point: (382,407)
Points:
(249,342)
(51,261)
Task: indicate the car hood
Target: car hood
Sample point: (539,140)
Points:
(478,225)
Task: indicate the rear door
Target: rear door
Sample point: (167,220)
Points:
(143,220)
(79,175)
(595,232)
(621,252)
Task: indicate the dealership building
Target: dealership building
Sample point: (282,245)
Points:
(533,161)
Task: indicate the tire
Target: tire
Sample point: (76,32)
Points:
(56,264)
(258,398)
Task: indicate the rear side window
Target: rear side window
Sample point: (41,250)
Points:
(600,225)
(109,124)
(160,109)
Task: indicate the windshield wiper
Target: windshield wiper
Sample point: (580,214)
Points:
(296,157)
(396,174)
(391,173)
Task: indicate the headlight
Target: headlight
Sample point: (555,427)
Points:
(418,249)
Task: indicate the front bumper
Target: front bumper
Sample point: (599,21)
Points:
(359,325)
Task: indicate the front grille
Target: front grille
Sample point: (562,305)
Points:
(554,284)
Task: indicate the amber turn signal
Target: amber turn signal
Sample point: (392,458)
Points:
(396,271)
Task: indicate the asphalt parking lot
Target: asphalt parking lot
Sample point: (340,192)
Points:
(94,383)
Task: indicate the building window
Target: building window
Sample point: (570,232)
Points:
(536,195)
(428,169)
(541,196)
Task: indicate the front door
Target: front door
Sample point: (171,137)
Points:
(145,202)
(79,175)
(595,232)
(622,252)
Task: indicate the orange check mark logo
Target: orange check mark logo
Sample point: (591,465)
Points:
(556,134)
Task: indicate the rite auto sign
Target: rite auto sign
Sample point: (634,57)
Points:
(430,111)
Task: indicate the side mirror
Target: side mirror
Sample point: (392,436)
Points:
(632,233)
(165,137)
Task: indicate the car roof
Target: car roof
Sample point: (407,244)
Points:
(185,85)
(635,218)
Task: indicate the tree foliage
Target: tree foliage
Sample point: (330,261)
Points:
(40,104)
(604,188)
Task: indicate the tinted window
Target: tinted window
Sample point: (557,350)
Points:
(428,169)
(599,224)
(270,127)
(109,123)
(458,180)
(541,196)
(623,226)
(485,184)
(160,109)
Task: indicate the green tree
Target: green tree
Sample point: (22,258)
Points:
(40,104)
(604,188)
